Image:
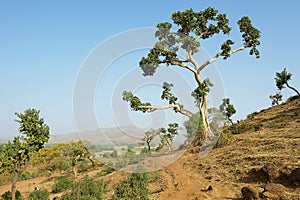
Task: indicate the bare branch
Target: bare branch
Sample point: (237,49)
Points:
(217,56)
(176,107)
(180,64)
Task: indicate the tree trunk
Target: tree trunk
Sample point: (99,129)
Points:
(14,183)
(205,131)
(292,88)
(149,148)
(75,170)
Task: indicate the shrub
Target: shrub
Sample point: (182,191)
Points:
(39,195)
(61,184)
(135,187)
(87,189)
(27,175)
(239,128)
(105,171)
(7,195)
(224,139)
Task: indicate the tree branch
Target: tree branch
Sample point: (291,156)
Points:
(176,107)
(217,56)
(180,64)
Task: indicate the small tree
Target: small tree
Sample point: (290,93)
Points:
(192,28)
(17,154)
(282,79)
(74,153)
(276,99)
(227,109)
(149,136)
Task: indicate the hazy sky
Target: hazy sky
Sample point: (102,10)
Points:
(43,45)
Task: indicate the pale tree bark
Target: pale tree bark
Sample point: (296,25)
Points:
(14,183)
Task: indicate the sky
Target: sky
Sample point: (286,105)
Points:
(44,46)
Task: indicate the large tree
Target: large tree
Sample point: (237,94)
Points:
(16,155)
(192,28)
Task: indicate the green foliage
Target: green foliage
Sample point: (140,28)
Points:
(135,187)
(35,133)
(7,195)
(61,184)
(167,95)
(39,194)
(191,28)
(227,109)
(224,139)
(282,79)
(276,99)
(27,176)
(239,128)
(106,171)
(135,102)
(250,35)
(201,91)
(193,125)
(16,155)
(50,159)
(87,189)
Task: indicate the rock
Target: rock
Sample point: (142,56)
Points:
(209,188)
(274,191)
(295,176)
(272,170)
(269,195)
(249,193)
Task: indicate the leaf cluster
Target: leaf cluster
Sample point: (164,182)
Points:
(282,79)
(15,155)
(135,102)
(201,91)
(227,109)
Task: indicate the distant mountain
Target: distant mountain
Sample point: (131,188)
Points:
(127,135)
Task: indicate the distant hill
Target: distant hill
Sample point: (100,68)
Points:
(127,135)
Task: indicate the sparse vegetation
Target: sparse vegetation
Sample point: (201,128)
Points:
(7,195)
(87,189)
(135,187)
(61,184)
(39,194)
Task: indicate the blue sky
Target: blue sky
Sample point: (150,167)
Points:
(43,45)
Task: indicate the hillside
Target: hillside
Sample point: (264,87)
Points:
(267,149)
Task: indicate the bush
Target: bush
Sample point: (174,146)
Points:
(26,176)
(7,195)
(87,189)
(135,187)
(105,171)
(39,195)
(239,128)
(61,184)
(224,139)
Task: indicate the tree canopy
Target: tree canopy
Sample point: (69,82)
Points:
(191,28)
(282,79)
